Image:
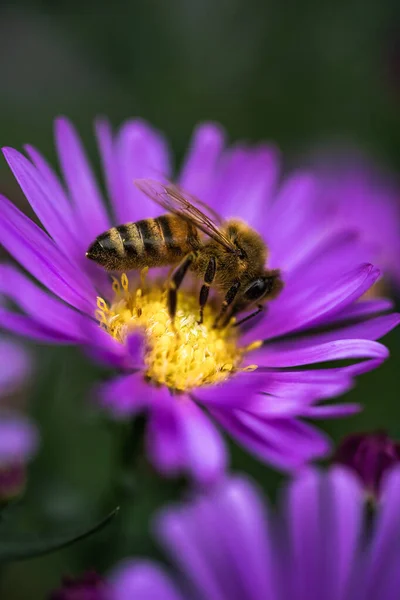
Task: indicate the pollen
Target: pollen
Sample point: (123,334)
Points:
(181,354)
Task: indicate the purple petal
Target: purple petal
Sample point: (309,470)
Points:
(237,391)
(51,207)
(18,438)
(257,188)
(140,152)
(30,246)
(45,310)
(385,547)
(274,393)
(325,255)
(202,158)
(209,539)
(102,347)
(52,180)
(128,395)
(191,535)
(341,522)
(108,157)
(362,308)
(243,184)
(311,306)
(75,248)
(163,440)
(181,436)
(204,447)
(285,443)
(142,580)
(84,191)
(25,327)
(291,207)
(331,411)
(15,365)
(372,329)
(301,514)
(241,516)
(304,352)
(316,510)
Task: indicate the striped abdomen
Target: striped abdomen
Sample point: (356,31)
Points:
(147,243)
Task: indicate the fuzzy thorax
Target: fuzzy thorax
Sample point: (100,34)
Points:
(182,355)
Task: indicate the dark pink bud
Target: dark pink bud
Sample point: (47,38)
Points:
(89,586)
(370,455)
(12,481)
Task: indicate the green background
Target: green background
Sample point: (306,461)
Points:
(297,73)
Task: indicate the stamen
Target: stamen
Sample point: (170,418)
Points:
(253,346)
(182,354)
(124,282)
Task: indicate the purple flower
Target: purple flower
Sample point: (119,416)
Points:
(370,455)
(175,373)
(88,587)
(18,436)
(227,545)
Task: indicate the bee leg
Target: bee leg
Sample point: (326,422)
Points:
(229,298)
(260,308)
(175,283)
(205,288)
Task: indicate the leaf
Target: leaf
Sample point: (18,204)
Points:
(21,547)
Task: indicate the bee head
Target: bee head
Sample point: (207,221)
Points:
(265,287)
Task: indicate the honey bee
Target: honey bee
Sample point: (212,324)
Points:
(231,258)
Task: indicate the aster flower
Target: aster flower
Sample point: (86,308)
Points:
(227,545)
(370,455)
(173,372)
(18,436)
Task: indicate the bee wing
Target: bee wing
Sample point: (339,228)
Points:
(177,201)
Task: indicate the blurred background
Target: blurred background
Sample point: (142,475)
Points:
(298,74)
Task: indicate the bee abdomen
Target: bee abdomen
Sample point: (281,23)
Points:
(154,242)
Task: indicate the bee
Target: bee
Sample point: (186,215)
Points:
(230,257)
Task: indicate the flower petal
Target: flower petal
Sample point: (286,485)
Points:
(43,309)
(362,308)
(31,247)
(105,142)
(140,152)
(203,540)
(128,395)
(201,161)
(291,207)
(285,443)
(204,447)
(248,174)
(382,566)
(49,204)
(182,437)
(306,353)
(24,326)
(331,411)
(256,185)
(84,191)
(142,580)
(318,509)
(311,306)
(163,439)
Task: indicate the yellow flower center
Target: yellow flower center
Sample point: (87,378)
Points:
(182,354)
